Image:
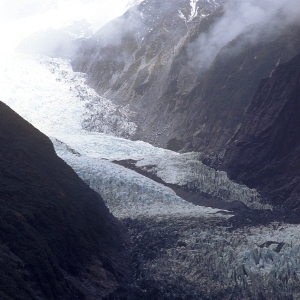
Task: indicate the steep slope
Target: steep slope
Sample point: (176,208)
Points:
(57,238)
(152,66)
(264,153)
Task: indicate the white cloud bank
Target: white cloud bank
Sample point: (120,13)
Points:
(22,18)
(255,20)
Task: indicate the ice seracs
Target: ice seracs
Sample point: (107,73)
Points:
(188,170)
(198,256)
(127,193)
(58,94)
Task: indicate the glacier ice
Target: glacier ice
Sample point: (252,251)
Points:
(178,246)
(57,94)
(188,170)
(126,193)
(46,92)
(196,257)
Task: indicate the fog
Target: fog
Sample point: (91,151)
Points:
(252,21)
(44,25)
(20,19)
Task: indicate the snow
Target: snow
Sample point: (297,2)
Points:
(194,10)
(193,13)
(181,15)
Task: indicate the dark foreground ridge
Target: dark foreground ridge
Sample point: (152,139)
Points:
(57,238)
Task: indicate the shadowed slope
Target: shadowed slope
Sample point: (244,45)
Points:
(264,153)
(57,238)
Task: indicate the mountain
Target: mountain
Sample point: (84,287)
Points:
(148,60)
(264,153)
(185,75)
(57,238)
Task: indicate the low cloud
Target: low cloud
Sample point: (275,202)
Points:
(28,19)
(252,21)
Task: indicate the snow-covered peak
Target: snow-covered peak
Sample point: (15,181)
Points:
(196,6)
(193,12)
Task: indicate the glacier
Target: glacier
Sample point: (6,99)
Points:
(126,193)
(46,92)
(180,248)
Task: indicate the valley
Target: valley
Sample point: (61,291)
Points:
(195,159)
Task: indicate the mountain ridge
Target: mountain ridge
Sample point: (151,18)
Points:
(56,236)
(153,68)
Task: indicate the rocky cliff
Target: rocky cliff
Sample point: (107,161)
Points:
(264,153)
(152,66)
(57,238)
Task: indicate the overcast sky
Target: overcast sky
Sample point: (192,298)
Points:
(21,18)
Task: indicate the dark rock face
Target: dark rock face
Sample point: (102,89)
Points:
(264,153)
(151,65)
(57,238)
